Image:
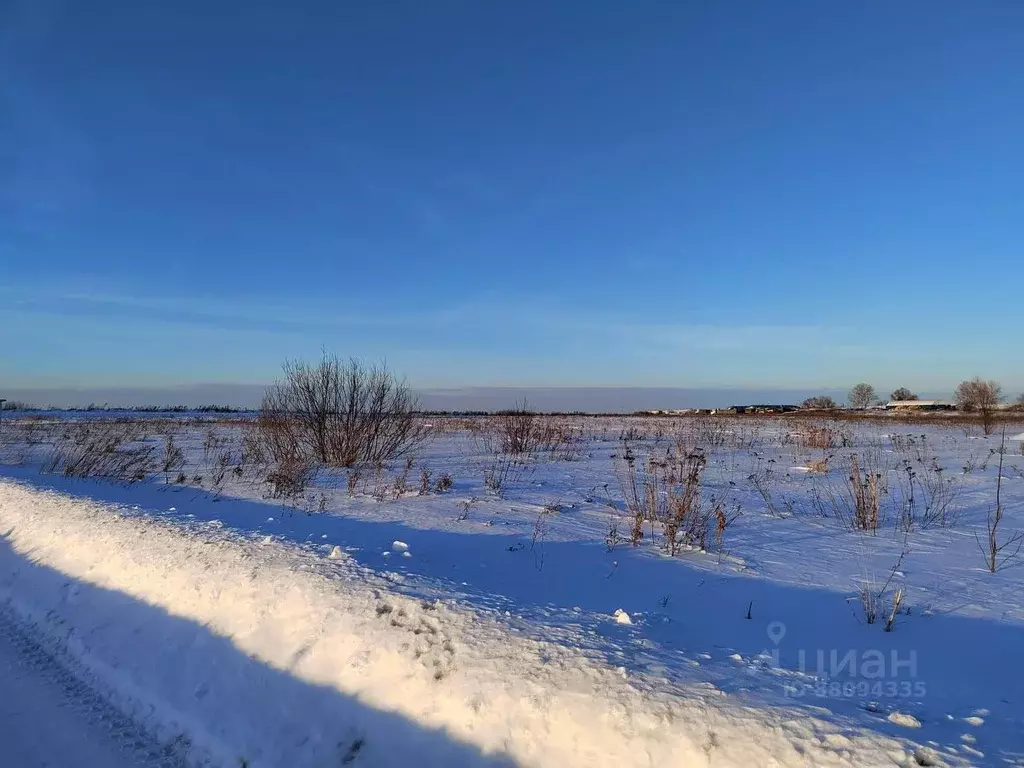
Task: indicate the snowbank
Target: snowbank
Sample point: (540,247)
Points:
(262,652)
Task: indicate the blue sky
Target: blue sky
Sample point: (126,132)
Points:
(795,194)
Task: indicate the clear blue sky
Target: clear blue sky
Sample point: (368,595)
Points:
(653,193)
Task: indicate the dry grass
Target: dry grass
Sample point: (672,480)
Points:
(857,502)
(665,494)
(100,448)
(819,466)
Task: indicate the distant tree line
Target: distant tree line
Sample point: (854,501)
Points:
(971,396)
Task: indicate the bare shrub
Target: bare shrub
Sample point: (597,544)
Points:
(820,437)
(709,432)
(857,503)
(865,492)
(928,497)
(684,506)
(522,432)
(868,604)
(556,440)
(466,506)
(722,522)
(516,430)
(290,478)
(211,443)
(666,494)
(444,483)
(221,464)
(401,482)
(875,600)
(341,413)
(819,466)
(501,470)
(612,538)
(637,502)
(275,438)
(762,478)
(253,447)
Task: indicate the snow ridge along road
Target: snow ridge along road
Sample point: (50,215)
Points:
(256,653)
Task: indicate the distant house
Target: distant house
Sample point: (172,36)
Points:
(919,405)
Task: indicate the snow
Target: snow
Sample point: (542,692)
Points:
(292,633)
(48,718)
(907,721)
(270,656)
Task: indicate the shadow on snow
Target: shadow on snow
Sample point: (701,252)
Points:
(210,689)
(689,623)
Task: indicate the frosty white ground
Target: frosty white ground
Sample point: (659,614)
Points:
(287,636)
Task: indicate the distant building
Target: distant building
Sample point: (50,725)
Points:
(919,405)
(764,408)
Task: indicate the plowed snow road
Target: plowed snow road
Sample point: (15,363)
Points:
(49,718)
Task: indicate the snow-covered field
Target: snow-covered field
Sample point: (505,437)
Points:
(379,619)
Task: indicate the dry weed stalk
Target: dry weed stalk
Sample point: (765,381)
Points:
(998,556)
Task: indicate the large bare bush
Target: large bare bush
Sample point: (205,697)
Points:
(341,413)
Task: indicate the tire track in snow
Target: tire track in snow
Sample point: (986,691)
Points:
(49,717)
